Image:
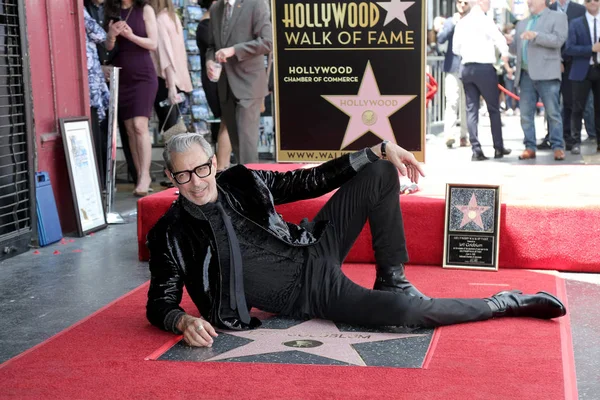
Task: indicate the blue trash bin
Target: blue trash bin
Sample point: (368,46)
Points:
(49,230)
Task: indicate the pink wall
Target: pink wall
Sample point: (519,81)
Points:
(60,90)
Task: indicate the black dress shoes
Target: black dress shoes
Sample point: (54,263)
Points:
(514,303)
(576,149)
(393,279)
(545,145)
(499,153)
(478,156)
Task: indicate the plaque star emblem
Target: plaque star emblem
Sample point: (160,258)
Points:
(369,110)
(472,212)
(395,10)
(318,337)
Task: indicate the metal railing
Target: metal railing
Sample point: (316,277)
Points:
(435,109)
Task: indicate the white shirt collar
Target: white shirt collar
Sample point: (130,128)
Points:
(232,2)
(590,17)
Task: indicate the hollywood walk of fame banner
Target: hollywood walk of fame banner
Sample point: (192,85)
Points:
(348,75)
(472,227)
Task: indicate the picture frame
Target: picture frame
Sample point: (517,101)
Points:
(472,226)
(83,174)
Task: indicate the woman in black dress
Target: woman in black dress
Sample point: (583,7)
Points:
(210,89)
(132,25)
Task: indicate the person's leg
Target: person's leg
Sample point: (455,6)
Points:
(346,302)
(528,107)
(549,91)
(588,117)
(144,153)
(596,93)
(131,136)
(472,95)
(581,91)
(510,86)
(167,116)
(372,194)
(103,151)
(97,140)
(126,145)
(488,87)
(228,115)
(464,132)
(566,90)
(334,296)
(223,148)
(248,123)
(452,95)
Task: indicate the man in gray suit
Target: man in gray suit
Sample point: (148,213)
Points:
(537,44)
(240,36)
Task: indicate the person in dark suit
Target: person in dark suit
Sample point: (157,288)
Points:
(240,37)
(583,44)
(572,10)
(476,38)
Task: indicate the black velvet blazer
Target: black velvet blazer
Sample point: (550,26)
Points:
(182,244)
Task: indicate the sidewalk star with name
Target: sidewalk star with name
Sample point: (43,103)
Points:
(318,337)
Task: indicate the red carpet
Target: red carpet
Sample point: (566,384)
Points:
(103,356)
(531,236)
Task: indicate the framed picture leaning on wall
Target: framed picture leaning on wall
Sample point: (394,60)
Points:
(83,174)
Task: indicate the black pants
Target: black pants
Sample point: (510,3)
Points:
(100,133)
(482,80)
(566,91)
(327,293)
(165,119)
(581,91)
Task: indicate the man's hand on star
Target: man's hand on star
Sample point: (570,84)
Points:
(223,54)
(197,332)
(402,159)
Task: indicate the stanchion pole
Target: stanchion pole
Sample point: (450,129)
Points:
(112,217)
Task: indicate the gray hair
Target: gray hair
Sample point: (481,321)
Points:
(183,142)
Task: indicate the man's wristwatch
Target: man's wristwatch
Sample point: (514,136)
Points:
(383,153)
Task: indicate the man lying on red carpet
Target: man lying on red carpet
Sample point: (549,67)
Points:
(224,241)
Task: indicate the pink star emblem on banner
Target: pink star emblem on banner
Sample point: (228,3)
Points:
(472,212)
(369,110)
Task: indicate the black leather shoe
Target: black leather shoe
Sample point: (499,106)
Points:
(545,145)
(499,153)
(478,156)
(514,303)
(576,149)
(393,279)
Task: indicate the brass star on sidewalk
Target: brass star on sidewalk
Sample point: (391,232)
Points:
(318,337)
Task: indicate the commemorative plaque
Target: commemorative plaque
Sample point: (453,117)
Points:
(472,226)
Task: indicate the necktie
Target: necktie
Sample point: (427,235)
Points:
(226,18)
(237,298)
(530,26)
(595,40)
